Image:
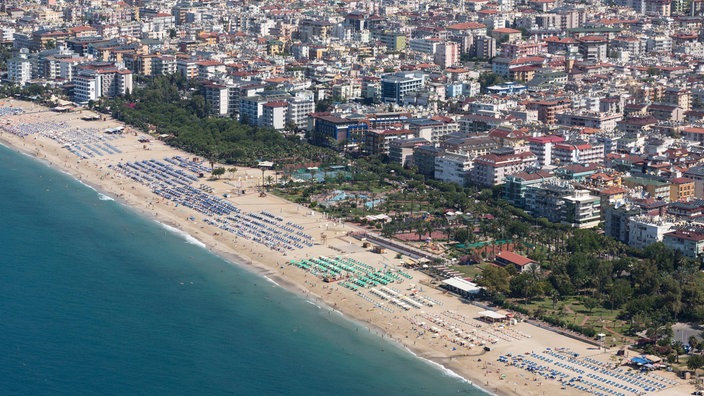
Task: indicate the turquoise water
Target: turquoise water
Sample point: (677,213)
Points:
(95,300)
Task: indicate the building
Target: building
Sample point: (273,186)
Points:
(577,171)
(274,115)
(401,150)
(593,48)
(484,47)
(393,40)
(100,79)
(681,189)
(378,141)
(433,129)
(577,152)
(300,105)
(330,129)
(314,30)
(520,263)
(447,54)
(542,147)
(491,169)
(617,220)
(515,186)
(655,187)
(605,122)
(217,97)
(19,68)
(251,109)
(694,134)
(424,159)
(548,109)
(688,241)
(646,230)
(560,202)
(472,146)
(696,173)
(394,87)
(453,168)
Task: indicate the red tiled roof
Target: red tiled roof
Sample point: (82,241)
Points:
(467,26)
(514,258)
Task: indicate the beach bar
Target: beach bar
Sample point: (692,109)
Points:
(461,286)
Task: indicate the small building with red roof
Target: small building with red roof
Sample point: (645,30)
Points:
(520,263)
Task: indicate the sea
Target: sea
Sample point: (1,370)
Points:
(98,300)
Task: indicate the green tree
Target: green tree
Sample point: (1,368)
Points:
(488,79)
(695,362)
(494,279)
(693,342)
(232,171)
(219,171)
(590,303)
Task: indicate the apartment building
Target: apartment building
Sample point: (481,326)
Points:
(542,147)
(491,169)
(577,152)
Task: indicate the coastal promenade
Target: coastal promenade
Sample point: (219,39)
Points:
(283,241)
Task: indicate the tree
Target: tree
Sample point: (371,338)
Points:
(693,342)
(695,362)
(495,279)
(217,172)
(232,171)
(590,303)
(488,79)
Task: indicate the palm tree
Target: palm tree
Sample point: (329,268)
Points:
(269,180)
(312,174)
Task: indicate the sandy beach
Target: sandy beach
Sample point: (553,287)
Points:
(439,326)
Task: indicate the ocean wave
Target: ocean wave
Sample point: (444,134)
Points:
(272,281)
(447,372)
(312,303)
(188,237)
(101,196)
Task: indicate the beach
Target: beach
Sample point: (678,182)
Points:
(440,333)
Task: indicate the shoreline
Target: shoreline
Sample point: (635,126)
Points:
(397,327)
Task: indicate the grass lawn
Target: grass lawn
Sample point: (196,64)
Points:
(573,311)
(470,271)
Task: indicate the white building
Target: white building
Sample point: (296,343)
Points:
(577,153)
(19,68)
(274,115)
(453,168)
(646,230)
(217,97)
(299,106)
(425,45)
(7,34)
(491,169)
(583,210)
(101,80)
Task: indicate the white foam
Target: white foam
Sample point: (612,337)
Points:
(312,303)
(188,237)
(449,373)
(101,196)
(272,281)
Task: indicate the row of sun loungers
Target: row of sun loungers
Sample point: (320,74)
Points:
(587,374)
(83,142)
(173,179)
